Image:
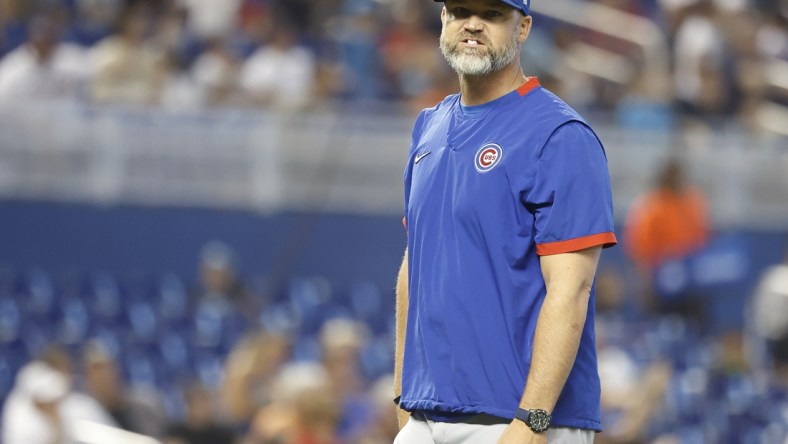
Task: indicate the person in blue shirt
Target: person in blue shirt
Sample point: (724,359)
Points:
(507,207)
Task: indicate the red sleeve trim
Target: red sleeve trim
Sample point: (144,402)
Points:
(577,244)
(530,84)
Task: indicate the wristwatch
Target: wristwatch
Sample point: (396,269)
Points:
(538,420)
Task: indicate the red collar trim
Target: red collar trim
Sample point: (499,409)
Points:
(530,84)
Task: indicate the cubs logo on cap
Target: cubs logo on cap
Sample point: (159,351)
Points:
(487,157)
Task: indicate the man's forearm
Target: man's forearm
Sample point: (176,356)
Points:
(401,324)
(568,279)
(556,341)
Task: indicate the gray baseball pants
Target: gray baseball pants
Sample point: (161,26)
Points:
(477,429)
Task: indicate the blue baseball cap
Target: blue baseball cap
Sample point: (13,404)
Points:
(523,5)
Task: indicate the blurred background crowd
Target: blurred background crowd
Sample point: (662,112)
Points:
(262,311)
(648,63)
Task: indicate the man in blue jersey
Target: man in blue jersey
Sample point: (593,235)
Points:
(508,204)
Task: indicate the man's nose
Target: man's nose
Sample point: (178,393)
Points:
(474,24)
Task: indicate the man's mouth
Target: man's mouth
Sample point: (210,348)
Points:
(472,43)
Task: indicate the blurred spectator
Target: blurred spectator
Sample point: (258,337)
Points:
(341,342)
(249,374)
(356,35)
(32,413)
(216,72)
(303,409)
(13,24)
(317,417)
(568,81)
(136,409)
(93,21)
(201,425)
(702,63)
(179,91)
(768,316)
(772,37)
(43,68)
(280,74)
(632,391)
(42,409)
(632,395)
(410,63)
(647,105)
(667,223)
(383,427)
(222,289)
(128,68)
(211,19)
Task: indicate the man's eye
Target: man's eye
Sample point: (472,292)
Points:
(493,14)
(461,12)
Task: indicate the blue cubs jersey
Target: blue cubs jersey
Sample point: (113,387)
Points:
(488,190)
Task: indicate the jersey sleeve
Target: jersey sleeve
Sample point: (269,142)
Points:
(571,199)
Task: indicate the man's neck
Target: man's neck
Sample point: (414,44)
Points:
(478,90)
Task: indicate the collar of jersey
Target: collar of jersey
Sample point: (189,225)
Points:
(478,111)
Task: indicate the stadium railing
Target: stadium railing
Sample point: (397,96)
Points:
(329,161)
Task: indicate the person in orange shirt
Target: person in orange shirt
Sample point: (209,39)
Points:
(667,223)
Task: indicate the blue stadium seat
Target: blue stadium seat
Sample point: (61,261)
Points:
(142,367)
(9,282)
(110,339)
(74,321)
(175,352)
(172,299)
(279,318)
(36,334)
(173,401)
(13,356)
(309,297)
(306,348)
(105,298)
(209,323)
(10,320)
(368,305)
(142,321)
(210,369)
(377,357)
(38,293)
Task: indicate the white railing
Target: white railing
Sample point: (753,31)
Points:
(330,161)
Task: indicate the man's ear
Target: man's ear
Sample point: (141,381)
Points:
(524,28)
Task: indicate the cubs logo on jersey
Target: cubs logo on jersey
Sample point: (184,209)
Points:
(488,156)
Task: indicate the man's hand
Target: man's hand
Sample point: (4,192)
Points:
(519,433)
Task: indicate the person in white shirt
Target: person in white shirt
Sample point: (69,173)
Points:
(280,74)
(210,19)
(767,319)
(43,68)
(42,409)
(129,68)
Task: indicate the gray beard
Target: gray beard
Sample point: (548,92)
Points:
(474,62)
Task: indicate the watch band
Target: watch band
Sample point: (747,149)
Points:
(522,415)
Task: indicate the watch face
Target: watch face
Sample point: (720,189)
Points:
(539,420)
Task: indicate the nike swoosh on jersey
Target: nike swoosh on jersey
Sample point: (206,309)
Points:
(421,156)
